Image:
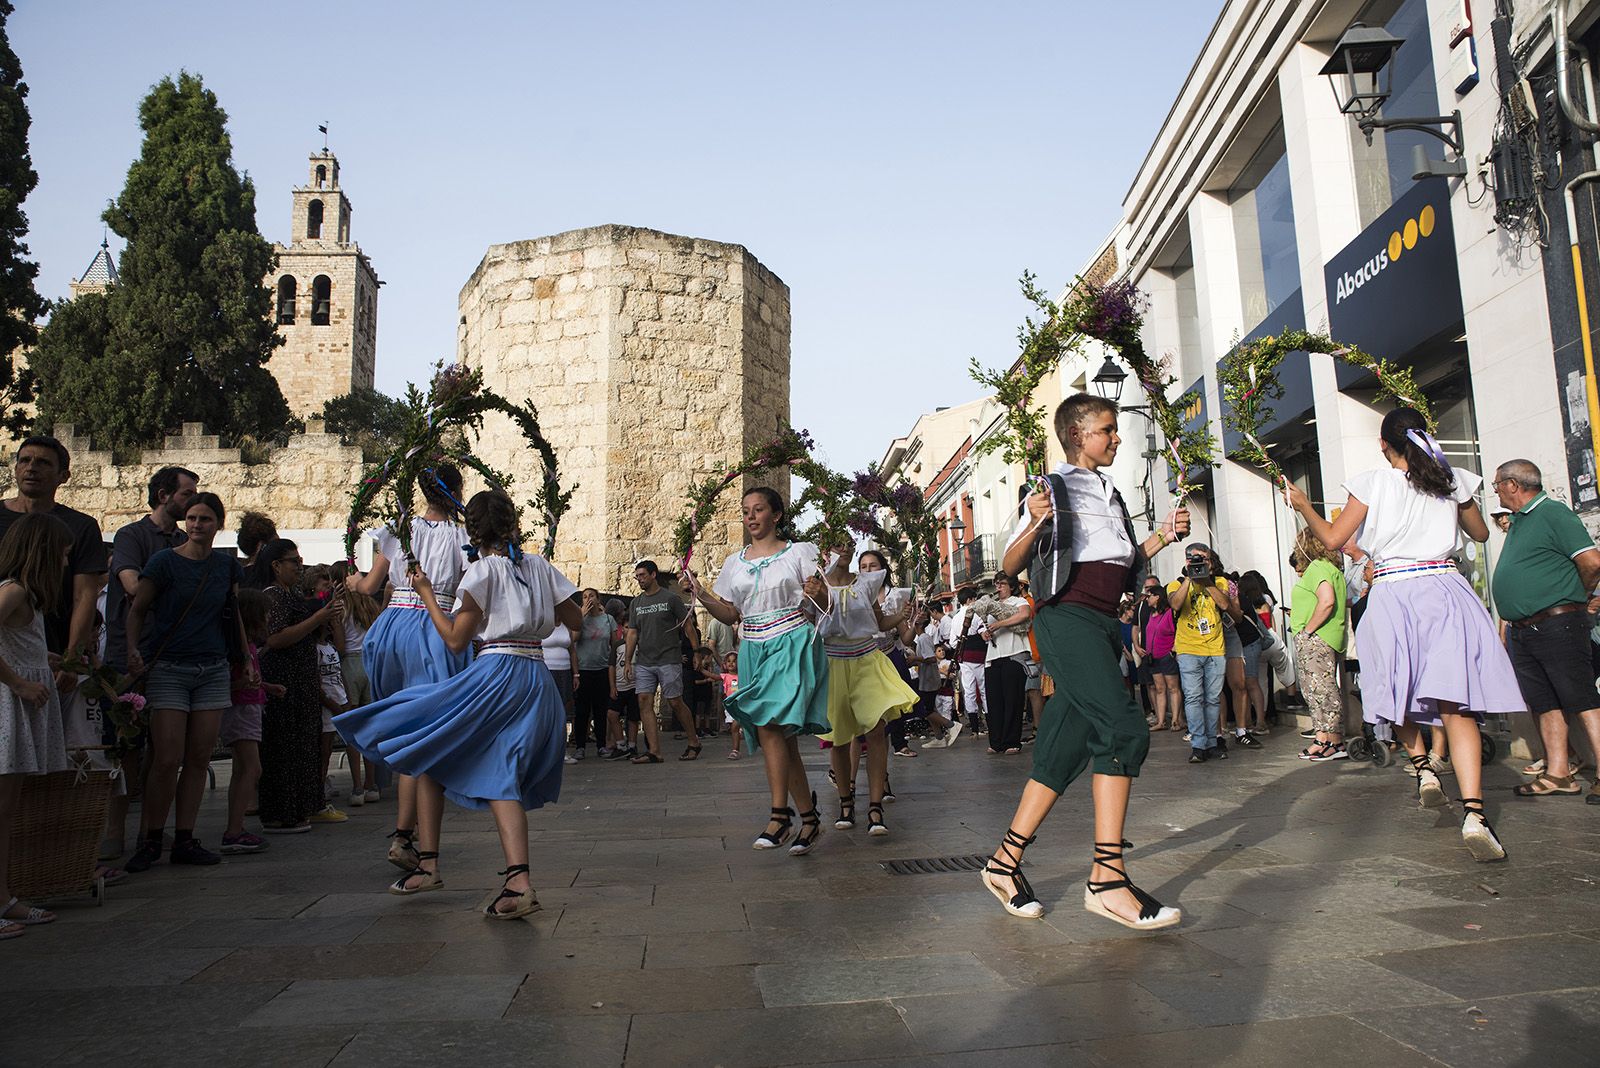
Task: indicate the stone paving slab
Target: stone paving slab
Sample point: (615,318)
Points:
(1326,920)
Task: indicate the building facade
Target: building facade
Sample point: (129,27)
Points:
(325,297)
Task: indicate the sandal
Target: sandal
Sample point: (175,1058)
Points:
(807,838)
(33,917)
(11,930)
(847,812)
(1153,915)
(1023,902)
(733,754)
(1430,792)
(111,876)
(403,849)
(875,825)
(692,753)
(1544,785)
(526,900)
(646,757)
(431,880)
(784,818)
(1477,835)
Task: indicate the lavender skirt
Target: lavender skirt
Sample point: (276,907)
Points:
(1429,639)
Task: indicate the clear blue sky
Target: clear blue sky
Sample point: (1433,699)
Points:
(898,164)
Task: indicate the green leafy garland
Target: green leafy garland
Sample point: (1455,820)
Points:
(790,449)
(915,531)
(1112,313)
(1248,377)
(436,431)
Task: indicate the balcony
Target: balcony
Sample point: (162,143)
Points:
(976,560)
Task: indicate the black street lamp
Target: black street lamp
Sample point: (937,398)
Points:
(1108,381)
(1360,72)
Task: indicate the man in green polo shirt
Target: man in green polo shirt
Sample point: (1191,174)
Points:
(1547,567)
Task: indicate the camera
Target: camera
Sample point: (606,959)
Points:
(1197,569)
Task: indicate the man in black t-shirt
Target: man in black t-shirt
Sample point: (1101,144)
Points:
(43,466)
(169,493)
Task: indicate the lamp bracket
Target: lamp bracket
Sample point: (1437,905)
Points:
(1421,124)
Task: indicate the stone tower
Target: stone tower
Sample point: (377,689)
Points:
(653,360)
(326,297)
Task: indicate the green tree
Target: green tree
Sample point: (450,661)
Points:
(20,303)
(186,332)
(365,417)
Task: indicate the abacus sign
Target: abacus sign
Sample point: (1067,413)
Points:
(1395,286)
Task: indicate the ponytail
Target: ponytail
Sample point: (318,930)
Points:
(1429,472)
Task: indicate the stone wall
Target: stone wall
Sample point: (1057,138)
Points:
(304,485)
(654,360)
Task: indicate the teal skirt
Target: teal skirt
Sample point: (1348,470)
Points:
(783,683)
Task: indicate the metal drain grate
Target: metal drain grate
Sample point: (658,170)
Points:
(934,865)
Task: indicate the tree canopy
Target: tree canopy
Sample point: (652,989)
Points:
(185,334)
(20,303)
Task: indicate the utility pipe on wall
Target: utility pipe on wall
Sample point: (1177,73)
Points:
(1587,123)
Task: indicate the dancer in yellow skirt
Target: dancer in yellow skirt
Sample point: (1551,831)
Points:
(865,691)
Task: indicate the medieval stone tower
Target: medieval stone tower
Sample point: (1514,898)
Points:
(653,360)
(326,297)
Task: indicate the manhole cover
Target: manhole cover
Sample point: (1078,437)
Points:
(934,865)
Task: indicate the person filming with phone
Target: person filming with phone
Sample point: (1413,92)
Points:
(1199,601)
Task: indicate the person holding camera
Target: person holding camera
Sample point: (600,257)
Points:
(1200,600)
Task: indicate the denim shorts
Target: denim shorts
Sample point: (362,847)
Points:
(189,687)
(668,678)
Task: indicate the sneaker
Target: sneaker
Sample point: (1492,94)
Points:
(1219,751)
(357,799)
(146,855)
(370,796)
(1309,732)
(1441,765)
(1330,752)
(1249,741)
(328,792)
(953,733)
(329,814)
(1188,737)
(604,752)
(286,828)
(580,753)
(190,851)
(1222,744)
(1197,756)
(938,743)
(243,842)
(569,759)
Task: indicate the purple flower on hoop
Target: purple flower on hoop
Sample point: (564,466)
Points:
(449,382)
(862,523)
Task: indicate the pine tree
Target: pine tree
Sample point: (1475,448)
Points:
(20,303)
(185,334)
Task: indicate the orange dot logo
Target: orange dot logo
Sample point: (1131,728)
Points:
(1411,233)
(1395,247)
(1426,220)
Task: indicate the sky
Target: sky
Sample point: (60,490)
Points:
(898,164)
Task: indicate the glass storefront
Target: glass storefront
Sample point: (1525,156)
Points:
(1263,228)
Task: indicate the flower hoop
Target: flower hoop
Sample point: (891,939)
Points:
(436,432)
(915,533)
(825,490)
(1114,315)
(1248,377)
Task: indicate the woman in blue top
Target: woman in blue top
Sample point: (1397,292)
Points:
(189,683)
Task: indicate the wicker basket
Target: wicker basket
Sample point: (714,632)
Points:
(55,837)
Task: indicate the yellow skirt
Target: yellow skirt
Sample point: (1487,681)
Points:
(864,691)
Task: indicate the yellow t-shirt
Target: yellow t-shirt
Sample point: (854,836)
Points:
(1199,625)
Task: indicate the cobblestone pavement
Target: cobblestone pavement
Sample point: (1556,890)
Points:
(1327,920)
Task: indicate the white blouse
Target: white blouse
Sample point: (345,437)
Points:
(771,584)
(1099,531)
(1404,525)
(518,599)
(850,613)
(1008,641)
(440,549)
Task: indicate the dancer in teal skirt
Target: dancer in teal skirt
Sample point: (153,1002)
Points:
(774,588)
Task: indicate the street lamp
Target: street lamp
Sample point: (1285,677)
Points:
(1108,380)
(1360,73)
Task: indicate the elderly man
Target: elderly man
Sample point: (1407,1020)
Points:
(1547,567)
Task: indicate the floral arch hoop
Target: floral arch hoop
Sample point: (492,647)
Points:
(915,532)
(1248,377)
(436,432)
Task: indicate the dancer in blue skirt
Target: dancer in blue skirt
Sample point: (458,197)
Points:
(493,736)
(774,588)
(402,648)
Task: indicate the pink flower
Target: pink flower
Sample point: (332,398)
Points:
(133,700)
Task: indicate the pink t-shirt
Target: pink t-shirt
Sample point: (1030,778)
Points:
(1160,634)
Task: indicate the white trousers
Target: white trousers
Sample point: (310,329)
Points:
(974,698)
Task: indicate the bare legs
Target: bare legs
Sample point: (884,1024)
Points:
(405,809)
(512,823)
(242,785)
(178,740)
(786,775)
(844,758)
(1465,745)
(652,730)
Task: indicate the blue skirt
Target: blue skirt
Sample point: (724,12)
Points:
(783,682)
(495,732)
(403,648)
